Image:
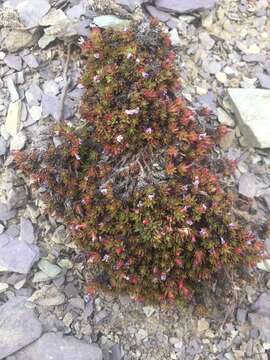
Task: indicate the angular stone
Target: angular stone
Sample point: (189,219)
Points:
(50,106)
(252,108)
(241,315)
(16,255)
(18,141)
(13,61)
(76,11)
(35,112)
(19,326)
(13,120)
(206,40)
(5,213)
(47,296)
(14,96)
(161,15)
(55,346)
(3,287)
(33,95)
(53,17)
(16,40)
(185,6)
(3,146)
(50,87)
(51,270)
(106,21)
(30,13)
(248,185)
(224,118)
(31,61)
(266,197)
(16,197)
(130,5)
(254,58)
(175,39)
(227,140)
(264,80)
(26,231)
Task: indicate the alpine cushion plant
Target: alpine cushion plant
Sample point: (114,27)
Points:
(135,180)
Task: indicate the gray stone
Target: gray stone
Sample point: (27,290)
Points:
(35,112)
(51,270)
(248,185)
(3,287)
(14,96)
(264,80)
(16,197)
(60,235)
(266,197)
(130,5)
(76,11)
(77,303)
(33,95)
(175,39)
(209,100)
(105,21)
(260,318)
(31,61)
(19,326)
(101,316)
(16,255)
(252,108)
(18,141)
(16,40)
(50,87)
(241,315)
(206,40)
(30,13)
(48,296)
(213,67)
(224,118)
(13,120)
(5,213)
(50,106)
(55,346)
(26,231)
(254,58)
(185,6)
(116,352)
(226,141)
(3,146)
(13,61)
(161,15)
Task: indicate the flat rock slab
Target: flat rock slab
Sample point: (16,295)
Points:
(185,6)
(260,318)
(17,256)
(55,346)
(106,21)
(5,213)
(30,12)
(19,326)
(252,109)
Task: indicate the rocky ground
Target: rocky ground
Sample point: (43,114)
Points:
(224,62)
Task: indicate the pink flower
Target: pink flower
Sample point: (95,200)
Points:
(96,55)
(148,130)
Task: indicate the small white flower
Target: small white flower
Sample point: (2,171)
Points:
(105,258)
(223,242)
(148,130)
(163,277)
(132,111)
(196,182)
(69,124)
(96,55)
(119,138)
(204,206)
(96,78)
(104,191)
(77,157)
(189,222)
(138,60)
(151,196)
(129,55)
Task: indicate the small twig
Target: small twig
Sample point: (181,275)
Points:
(66,83)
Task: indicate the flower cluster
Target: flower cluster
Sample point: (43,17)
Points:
(135,182)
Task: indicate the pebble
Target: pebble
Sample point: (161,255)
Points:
(221,77)
(18,141)
(49,269)
(203,325)
(149,310)
(3,287)
(35,112)
(13,120)
(13,61)
(225,118)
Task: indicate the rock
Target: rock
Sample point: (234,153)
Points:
(16,197)
(260,318)
(241,315)
(141,335)
(175,39)
(149,310)
(248,185)
(31,61)
(59,236)
(185,6)
(26,231)
(264,80)
(47,296)
(76,11)
(209,100)
(101,316)
(130,5)
(116,352)
(65,264)
(3,146)
(18,141)
(213,67)
(51,270)
(13,61)
(224,118)
(33,95)
(5,213)
(161,15)
(16,40)
(3,287)
(53,17)
(30,14)
(266,197)
(105,21)
(14,96)
(19,326)
(227,140)
(264,265)
(252,109)
(17,256)
(50,106)
(45,40)
(254,58)
(55,346)
(203,325)
(77,303)
(13,120)
(35,112)
(221,77)
(50,87)
(206,40)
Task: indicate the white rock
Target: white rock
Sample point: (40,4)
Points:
(105,21)
(224,118)
(3,287)
(18,141)
(13,120)
(203,325)
(14,96)
(35,112)
(175,39)
(252,109)
(2,55)
(264,265)
(221,77)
